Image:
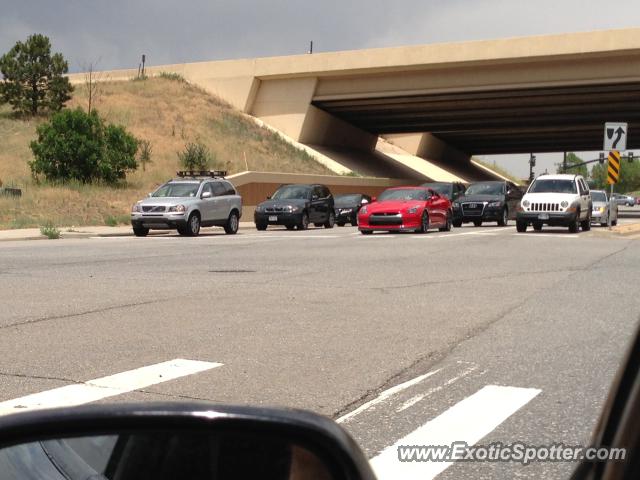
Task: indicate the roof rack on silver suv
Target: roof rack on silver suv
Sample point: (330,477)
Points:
(202,173)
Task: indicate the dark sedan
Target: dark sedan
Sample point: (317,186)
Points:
(494,201)
(451,190)
(347,207)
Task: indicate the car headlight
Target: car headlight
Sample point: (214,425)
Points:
(601,209)
(363,210)
(526,203)
(413,209)
(136,208)
(291,209)
(564,204)
(494,204)
(178,208)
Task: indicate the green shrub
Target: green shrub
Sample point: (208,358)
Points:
(115,220)
(195,156)
(176,77)
(50,231)
(75,145)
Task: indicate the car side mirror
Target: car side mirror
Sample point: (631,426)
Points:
(364,201)
(268,197)
(206,195)
(149,194)
(314,197)
(193,441)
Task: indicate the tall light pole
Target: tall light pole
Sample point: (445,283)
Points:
(532,163)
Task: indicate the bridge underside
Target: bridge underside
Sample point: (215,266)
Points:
(501,121)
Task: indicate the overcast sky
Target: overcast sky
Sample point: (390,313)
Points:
(117,32)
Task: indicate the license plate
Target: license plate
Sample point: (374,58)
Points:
(543,216)
(273,218)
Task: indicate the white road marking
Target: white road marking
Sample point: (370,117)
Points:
(468,421)
(385,395)
(546,235)
(110,386)
(418,398)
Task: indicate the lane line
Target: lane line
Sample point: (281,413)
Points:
(468,421)
(385,395)
(546,235)
(418,398)
(105,387)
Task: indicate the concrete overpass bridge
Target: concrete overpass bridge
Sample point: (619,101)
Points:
(423,111)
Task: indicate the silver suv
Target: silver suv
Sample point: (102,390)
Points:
(193,200)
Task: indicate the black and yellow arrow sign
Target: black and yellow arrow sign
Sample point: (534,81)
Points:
(613,171)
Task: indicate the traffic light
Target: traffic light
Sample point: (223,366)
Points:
(601,158)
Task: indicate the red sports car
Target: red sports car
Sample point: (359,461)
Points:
(406,209)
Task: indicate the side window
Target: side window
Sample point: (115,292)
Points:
(317,191)
(581,187)
(228,188)
(218,189)
(326,192)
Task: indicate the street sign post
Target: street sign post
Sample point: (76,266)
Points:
(615,136)
(613,175)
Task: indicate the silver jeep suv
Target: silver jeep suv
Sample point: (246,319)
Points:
(193,200)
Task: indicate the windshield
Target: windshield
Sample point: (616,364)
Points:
(348,199)
(598,196)
(553,186)
(292,192)
(445,189)
(177,190)
(402,194)
(485,189)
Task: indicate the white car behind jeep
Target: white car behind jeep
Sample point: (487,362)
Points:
(557,201)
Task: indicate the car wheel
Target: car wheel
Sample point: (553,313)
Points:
(193,225)
(290,226)
(340,224)
(233,222)
(140,231)
(447,224)
(457,223)
(330,221)
(537,226)
(574,226)
(318,225)
(477,223)
(354,222)
(521,226)
(182,230)
(424,223)
(504,220)
(261,226)
(614,223)
(304,221)
(366,232)
(586,224)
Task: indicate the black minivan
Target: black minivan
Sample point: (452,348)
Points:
(296,206)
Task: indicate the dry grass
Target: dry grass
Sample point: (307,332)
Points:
(167,112)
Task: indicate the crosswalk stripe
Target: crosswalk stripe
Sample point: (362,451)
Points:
(105,387)
(468,421)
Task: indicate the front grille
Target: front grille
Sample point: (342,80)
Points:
(154,208)
(385,219)
(545,207)
(276,209)
(473,209)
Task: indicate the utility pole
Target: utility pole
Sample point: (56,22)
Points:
(311,47)
(532,163)
(564,163)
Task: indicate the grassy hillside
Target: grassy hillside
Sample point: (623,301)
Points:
(167,112)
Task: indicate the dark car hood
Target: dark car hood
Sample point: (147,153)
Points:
(480,198)
(295,202)
(342,204)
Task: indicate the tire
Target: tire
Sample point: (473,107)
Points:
(318,225)
(457,223)
(261,226)
(233,222)
(574,226)
(193,225)
(340,224)
(447,225)
(504,221)
(477,223)
(537,226)
(182,230)
(354,222)
(521,226)
(605,224)
(586,224)
(304,221)
(140,231)
(366,232)
(331,220)
(290,226)
(614,223)
(424,223)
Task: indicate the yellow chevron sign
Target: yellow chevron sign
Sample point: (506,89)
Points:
(613,171)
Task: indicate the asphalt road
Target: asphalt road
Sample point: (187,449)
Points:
(330,320)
